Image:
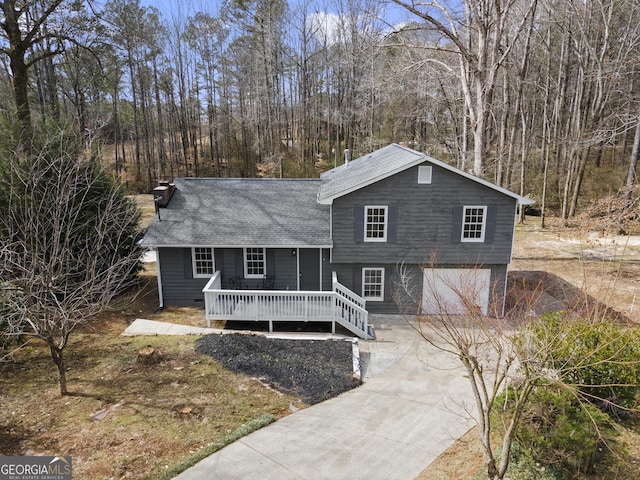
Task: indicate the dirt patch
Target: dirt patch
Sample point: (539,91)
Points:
(460,462)
(315,370)
(564,268)
(541,292)
(601,267)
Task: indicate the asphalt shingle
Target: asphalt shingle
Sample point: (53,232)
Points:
(242,212)
(367,169)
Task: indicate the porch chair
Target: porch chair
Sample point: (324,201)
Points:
(237,283)
(268,282)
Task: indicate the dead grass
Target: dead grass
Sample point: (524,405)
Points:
(460,462)
(606,267)
(146,206)
(124,419)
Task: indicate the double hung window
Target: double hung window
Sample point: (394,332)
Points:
(254,262)
(203,264)
(474,221)
(375,223)
(373,284)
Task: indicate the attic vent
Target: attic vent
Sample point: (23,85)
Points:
(424,174)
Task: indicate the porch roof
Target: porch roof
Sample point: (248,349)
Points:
(242,212)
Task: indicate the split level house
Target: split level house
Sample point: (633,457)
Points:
(335,248)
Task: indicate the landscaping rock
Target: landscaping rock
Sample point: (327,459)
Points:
(316,370)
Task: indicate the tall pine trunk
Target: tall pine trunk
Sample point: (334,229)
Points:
(633,163)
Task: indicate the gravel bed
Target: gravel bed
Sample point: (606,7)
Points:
(316,370)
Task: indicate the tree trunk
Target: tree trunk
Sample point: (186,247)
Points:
(58,359)
(523,157)
(502,137)
(20,82)
(578,181)
(136,128)
(633,163)
(162,154)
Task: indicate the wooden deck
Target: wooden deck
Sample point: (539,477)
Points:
(339,306)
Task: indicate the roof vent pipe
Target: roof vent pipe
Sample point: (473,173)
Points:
(346,156)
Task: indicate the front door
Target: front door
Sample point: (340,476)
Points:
(309,269)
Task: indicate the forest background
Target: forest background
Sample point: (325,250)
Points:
(539,96)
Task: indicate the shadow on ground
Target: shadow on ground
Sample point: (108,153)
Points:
(538,292)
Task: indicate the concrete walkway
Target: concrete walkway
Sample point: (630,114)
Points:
(411,407)
(141,326)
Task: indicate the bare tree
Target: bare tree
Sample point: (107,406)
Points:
(68,243)
(480,342)
(482,36)
(514,354)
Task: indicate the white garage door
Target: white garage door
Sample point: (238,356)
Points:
(448,290)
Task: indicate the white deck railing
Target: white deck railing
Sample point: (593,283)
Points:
(340,306)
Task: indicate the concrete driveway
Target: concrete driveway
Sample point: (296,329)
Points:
(412,406)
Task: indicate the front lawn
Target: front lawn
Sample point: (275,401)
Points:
(127,419)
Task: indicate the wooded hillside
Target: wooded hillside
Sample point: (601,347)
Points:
(539,96)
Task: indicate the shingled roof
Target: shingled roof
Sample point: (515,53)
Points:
(226,212)
(243,212)
(383,163)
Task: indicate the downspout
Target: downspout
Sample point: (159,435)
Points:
(331,232)
(159,275)
(506,273)
(297,250)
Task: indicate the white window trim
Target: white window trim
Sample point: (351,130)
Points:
(386,223)
(194,265)
(369,298)
(425,173)
(484,224)
(246,266)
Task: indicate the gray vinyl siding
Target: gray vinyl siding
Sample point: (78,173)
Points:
(350,275)
(424,221)
(179,288)
(280,263)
